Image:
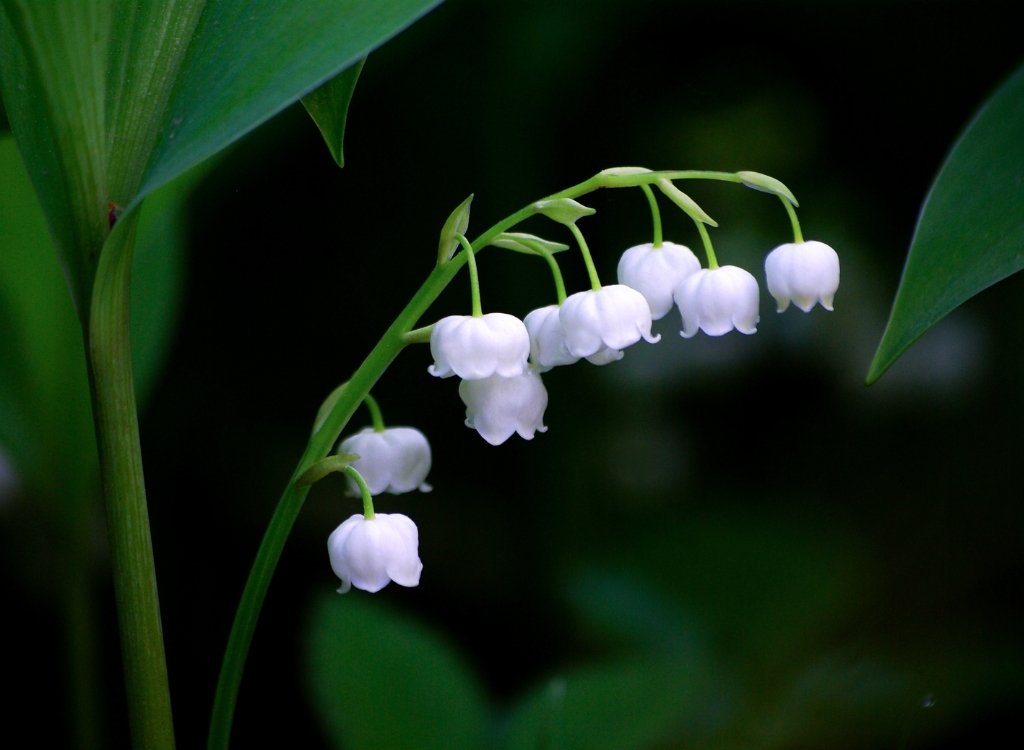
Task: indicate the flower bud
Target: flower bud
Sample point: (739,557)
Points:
(475,347)
(368,553)
(656,272)
(802,273)
(395,460)
(612,317)
(496,407)
(717,300)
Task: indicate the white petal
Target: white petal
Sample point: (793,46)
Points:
(497,407)
(614,316)
(547,339)
(718,300)
(805,273)
(656,272)
(475,347)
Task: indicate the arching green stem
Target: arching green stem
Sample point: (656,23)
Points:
(364,491)
(377,419)
(709,251)
(595,282)
(798,236)
(474,277)
(340,411)
(655,214)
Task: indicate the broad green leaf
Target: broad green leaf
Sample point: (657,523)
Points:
(53,60)
(45,414)
(635,703)
(328,106)
(110,99)
(971,230)
(382,680)
(249,59)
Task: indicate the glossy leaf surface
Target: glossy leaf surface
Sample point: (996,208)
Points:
(971,230)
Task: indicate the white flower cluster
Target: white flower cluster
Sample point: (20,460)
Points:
(368,552)
(718,300)
(500,360)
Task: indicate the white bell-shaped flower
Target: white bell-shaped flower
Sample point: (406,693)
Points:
(368,553)
(395,459)
(475,347)
(717,300)
(611,317)
(656,272)
(496,407)
(547,342)
(802,273)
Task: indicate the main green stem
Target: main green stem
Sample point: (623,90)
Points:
(117,434)
(349,398)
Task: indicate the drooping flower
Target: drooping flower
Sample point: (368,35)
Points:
(717,300)
(656,272)
(496,406)
(547,342)
(475,347)
(395,459)
(547,339)
(612,317)
(368,553)
(803,273)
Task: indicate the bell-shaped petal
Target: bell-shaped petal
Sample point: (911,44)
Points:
(612,317)
(803,273)
(547,339)
(368,553)
(656,272)
(717,300)
(496,407)
(475,347)
(395,460)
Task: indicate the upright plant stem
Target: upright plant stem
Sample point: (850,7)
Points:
(108,350)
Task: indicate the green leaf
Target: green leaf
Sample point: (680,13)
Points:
(382,680)
(457,223)
(249,59)
(45,415)
(971,230)
(328,106)
(111,99)
(44,394)
(633,703)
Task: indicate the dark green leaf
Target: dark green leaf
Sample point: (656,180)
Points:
(45,416)
(328,106)
(971,230)
(249,59)
(381,680)
(636,703)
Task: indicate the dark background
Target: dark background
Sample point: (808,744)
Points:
(797,517)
